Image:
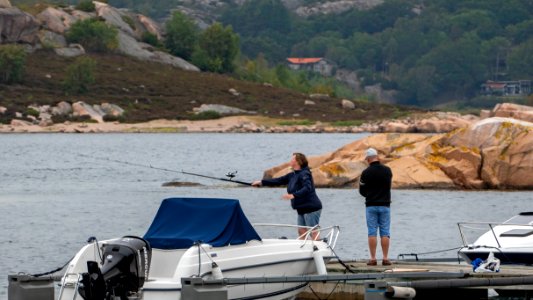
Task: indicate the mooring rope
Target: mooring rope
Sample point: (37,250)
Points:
(53,271)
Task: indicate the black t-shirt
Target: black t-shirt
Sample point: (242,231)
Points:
(375,184)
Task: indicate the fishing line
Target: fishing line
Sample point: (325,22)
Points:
(230,175)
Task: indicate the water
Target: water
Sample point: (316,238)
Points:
(55,193)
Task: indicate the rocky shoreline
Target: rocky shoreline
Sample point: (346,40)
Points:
(433,122)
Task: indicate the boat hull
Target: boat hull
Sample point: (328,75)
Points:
(266,258)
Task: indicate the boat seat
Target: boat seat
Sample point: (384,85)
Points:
(164,262)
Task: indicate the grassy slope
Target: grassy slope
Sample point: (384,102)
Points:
(150,91)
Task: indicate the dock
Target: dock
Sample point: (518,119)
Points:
(402,280)
(512,281)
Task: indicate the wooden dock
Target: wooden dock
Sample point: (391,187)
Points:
(357,290)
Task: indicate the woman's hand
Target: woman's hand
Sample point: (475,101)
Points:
(256,183)
(288,196)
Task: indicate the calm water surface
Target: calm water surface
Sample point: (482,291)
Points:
(56,190)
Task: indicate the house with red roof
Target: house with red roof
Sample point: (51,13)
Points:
(313,64)
(507,88)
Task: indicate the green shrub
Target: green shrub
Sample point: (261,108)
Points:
(7,116)
(12,62)
(151,39)
(347,123)
(32,112)
(80,75)
(296,123)
(82,119)
(110,118)
(182,35)
(94,35)
(86,5)
(129,21)
(206,115)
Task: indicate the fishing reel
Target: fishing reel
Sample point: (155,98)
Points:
(231,175)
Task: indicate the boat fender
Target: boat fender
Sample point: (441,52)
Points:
(216,272)
(400,292)
(319,262)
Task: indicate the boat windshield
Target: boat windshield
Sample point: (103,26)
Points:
(525,218)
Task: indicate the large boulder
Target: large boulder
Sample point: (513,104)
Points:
(50,39)
(62,109)
(515,111)
(220,109)
(334,7)
(81,108)
(17,26)
(412,172)
(112,109)
(506,148)
(150,25)
(5,4)
(130,46)
(56,20)
(72,50)
(460,164)
(114,17)
(491,153)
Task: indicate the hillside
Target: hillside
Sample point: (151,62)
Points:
(428,54)
(148,91)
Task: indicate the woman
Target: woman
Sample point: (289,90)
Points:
(301,192)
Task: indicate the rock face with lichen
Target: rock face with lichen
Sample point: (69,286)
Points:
(494,153)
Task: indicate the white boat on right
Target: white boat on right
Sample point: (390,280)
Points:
(511,241)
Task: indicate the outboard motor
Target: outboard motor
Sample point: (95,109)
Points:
(124,270)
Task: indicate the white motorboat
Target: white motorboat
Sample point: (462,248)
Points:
(511,241)
(195,237)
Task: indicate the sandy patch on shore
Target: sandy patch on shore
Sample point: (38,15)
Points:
(218,125)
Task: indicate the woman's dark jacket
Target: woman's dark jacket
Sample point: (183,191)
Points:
(300,184)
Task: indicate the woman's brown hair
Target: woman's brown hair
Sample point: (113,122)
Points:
(301,159)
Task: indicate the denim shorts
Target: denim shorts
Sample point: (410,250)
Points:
(378,217)
(311,219)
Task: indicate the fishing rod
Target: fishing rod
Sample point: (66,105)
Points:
(230,175)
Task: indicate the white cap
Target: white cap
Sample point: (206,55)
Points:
(371,152)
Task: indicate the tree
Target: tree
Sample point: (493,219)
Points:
(367,50)
(521,60)
(218,47)
(80,75)
(12,62)
(86,5)
(182,35)
(459,66)
(496,51)
(258,16)
(94,34)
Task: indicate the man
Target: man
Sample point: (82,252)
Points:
(375,186)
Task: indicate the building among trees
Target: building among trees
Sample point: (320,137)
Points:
(507,88)
(313,64)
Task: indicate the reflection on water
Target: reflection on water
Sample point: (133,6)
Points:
(52,199)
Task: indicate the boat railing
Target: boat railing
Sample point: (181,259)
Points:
(328,234)
(470,225)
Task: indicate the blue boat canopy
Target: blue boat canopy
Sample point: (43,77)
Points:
(181,222)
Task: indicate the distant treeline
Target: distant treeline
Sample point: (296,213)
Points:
(430,51)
